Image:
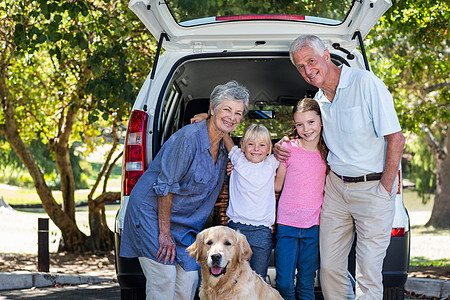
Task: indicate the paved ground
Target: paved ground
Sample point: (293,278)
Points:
(103,291)
(20,230)
(426,242)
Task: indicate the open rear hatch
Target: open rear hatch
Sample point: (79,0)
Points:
(236,25)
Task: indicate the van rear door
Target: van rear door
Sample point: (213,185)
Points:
(236,25)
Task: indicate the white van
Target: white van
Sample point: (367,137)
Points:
(208,43)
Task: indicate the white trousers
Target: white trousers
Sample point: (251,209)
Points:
(367,209)
(168,281)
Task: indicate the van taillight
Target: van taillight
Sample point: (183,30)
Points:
(399,231)
(135,162)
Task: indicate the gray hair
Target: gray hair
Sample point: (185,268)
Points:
(231,90)
(311,41)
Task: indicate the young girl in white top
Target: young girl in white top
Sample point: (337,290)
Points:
(251,207)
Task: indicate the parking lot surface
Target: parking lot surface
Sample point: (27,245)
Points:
(101,291)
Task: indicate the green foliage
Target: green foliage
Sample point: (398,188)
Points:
(422,168)
(95,168)
(96,50)
(193,9)
(15,176)
(13,172)
(90,56)
(278,127)
(7,156)
(410,47)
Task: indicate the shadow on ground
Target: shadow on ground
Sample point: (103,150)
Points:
(104,291)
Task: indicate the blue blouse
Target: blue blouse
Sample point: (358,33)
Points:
(184,167)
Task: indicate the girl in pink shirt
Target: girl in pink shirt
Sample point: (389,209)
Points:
(301,179)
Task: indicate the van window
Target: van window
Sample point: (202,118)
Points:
(170,117)
(278,127)
(233,10)
(273,82)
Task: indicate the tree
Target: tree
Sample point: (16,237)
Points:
(195,9)
(411,46)
(66,69)
(421,167)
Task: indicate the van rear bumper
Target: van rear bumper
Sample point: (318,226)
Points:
(396,262)
(128,270)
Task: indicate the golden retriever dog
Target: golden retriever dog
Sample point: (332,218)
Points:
(226,274)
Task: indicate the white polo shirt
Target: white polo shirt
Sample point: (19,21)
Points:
(355,123)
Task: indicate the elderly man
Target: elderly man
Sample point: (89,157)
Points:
(362,131)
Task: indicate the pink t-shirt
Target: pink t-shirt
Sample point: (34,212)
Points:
(302,194)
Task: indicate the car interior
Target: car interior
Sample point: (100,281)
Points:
(273,82)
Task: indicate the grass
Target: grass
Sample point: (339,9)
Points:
(23,196)
(423,261)
(30,197)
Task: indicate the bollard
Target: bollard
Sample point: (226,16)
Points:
(43,252)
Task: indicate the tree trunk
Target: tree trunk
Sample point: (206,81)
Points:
(75,239)
(60,146)
(440,215)
(101,238)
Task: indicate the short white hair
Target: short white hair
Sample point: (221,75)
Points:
(311,41)
(231,90)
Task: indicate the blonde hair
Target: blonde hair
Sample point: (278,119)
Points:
(257,132)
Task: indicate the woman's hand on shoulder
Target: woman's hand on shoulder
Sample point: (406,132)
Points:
(230,168)
(199,117)
(281,153)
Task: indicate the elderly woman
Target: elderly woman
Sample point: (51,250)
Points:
(173,199)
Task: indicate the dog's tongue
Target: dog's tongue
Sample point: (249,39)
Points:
(216,270)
